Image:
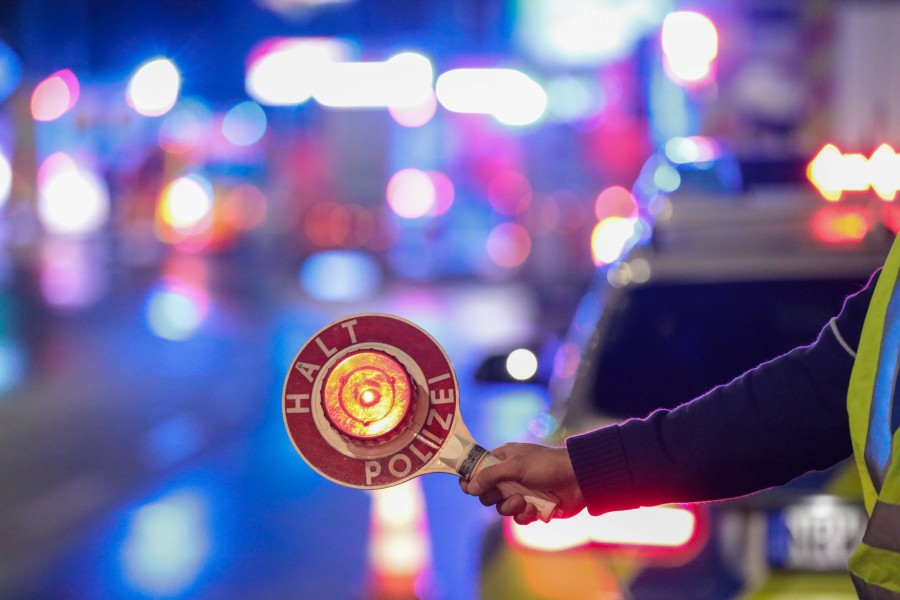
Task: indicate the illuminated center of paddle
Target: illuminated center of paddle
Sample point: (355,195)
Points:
(367,394)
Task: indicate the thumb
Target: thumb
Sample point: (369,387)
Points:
(487,478)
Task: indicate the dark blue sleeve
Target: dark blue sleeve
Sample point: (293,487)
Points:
(773,423)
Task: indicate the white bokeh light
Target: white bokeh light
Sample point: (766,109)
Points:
(154,87)
(71,200)
(510,96)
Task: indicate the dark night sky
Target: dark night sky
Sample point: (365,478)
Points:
(210,39)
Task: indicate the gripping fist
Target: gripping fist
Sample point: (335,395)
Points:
(539,468)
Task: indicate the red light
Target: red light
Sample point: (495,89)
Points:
(509,192)
(326,224)
(890,217)
(399,554)
(367,395)
(840,224)
(673,531)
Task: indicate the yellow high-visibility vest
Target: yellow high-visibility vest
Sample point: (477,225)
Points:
(875,564)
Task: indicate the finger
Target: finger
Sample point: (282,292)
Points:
(492,497)
(505,451)
(489,477)
(529,515)
(512,506)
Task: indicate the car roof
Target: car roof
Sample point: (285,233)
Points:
(757,236)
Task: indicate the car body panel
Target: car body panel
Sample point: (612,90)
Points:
(757,241)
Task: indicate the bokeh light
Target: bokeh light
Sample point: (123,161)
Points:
(6,178)
(399,550)
(841,224)
(285,71)
(510,415)
(167,543)
(884,172)
(55,96)
(10,70)
(690,45)
(666,178)
(185,126)
(509,192)
(444,193)
(244,124)
(402,80)
(326,224)
(660,526)
(363,228)
(572,98)
(340,275)
(154,87)
(510,96)
(70,273)
(615,201)
(610,238)
(833,172)
(521,364)
(411,193)
(244,207)
(692,150)
(825,172)
(415,115)
(175,310)
(71,200)
(186,203)
(12,364)
(508,245)
(585,33)
(566,360)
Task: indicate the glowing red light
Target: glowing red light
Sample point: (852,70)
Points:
(367,395)
(890,217)
(509,192)
(674,533)
(326,224)
(840,224)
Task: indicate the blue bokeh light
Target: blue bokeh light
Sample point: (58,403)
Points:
(340,275)
(244,124)
(167,543)
(10,71)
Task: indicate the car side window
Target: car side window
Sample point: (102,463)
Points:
(663,345)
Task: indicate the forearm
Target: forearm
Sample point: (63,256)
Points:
(770,425)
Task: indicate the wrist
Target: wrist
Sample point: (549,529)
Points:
(600,468)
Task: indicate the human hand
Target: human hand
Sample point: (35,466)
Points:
(538,468)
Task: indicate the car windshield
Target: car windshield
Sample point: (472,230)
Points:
(664,344)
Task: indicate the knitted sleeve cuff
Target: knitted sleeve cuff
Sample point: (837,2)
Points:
(601,469)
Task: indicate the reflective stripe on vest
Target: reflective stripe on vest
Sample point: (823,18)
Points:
(875,564)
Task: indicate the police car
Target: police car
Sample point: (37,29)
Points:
(722,285)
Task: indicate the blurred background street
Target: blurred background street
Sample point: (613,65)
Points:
(190,189)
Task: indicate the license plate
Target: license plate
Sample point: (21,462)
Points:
(818,534)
